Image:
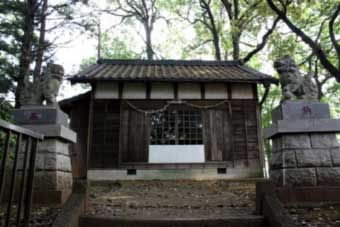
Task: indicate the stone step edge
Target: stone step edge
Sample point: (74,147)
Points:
(136,219)
(254,221)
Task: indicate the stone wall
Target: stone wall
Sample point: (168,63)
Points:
(300,160)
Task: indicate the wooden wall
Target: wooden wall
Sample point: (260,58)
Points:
(230,132)
(78,112)
(105,134)
(244,131)
(217,134)
(134,135)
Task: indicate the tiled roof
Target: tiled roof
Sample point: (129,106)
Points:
(170,70)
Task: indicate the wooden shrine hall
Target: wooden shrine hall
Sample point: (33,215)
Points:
(165,119)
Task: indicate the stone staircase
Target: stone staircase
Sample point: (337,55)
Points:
(156,204)
(183,203)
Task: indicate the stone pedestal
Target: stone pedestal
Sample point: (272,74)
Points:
(53,176)
(305,150)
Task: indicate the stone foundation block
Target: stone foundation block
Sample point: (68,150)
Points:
(250,163)
(305,150)
(294,177)
(277,144)
(296,141)
(40,115)
(47,197)
(329,176)
(55,131)
(50,161)
(299,177)
(335,156)
(292,110)
(284,159)
(53,146)
(313,158)
(52,180)
(277,177)
(324,140)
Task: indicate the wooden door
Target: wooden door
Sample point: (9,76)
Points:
(217,135)
(134,136)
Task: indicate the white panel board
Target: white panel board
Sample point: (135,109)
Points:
(134,91)
(189,91)
(176,154)
(242,91)
(216,91)
(162,91)
(106,90)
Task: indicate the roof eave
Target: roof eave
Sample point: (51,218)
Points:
(260,80)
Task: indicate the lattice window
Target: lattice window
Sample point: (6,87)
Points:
(177,127)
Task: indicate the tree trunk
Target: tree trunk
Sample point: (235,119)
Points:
(41,45)
(320,93)
(217,47)
(99,40)
(236,46)
(26,49)
(213,30)
(148,42)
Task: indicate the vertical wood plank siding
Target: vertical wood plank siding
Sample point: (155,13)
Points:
(105,134)
(217,132)
(79,115)
(230,134)
(135,131)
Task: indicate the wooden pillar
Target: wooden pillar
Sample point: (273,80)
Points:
(90,125)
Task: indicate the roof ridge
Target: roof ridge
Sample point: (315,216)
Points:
(167,62)
(177,70)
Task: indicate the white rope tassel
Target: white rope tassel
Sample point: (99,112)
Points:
(176,102)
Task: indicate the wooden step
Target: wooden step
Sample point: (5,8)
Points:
(232,221)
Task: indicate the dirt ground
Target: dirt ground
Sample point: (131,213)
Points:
(41,216)
(181,199)
(317,216)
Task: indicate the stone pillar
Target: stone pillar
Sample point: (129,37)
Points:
(305,150)
(53,176)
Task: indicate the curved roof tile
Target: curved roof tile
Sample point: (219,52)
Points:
(170,70)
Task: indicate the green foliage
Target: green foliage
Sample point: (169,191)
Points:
(5,114)
(61,18)
(332,95)
(272,101)
(11,31)
(5,110)
(116,48)
(112,48)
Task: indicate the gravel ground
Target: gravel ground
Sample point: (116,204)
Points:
(317,216)
(41,216)
(181,199)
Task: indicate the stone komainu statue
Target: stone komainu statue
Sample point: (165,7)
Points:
(292,82)
(46,89)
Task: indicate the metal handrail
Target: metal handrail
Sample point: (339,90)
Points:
(27,174)
(21,130)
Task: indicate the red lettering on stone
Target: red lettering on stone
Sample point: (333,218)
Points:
(307,110)
(34,116)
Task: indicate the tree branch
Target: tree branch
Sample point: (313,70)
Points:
(332,35)
(228,8)
(261,45)
(315,47)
